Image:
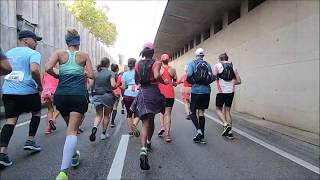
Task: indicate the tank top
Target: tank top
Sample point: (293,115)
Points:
(71,77)
(49,82)
(166,90)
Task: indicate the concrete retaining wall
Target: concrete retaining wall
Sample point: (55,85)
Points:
(276,50)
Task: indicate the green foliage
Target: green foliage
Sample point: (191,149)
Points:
(93,19)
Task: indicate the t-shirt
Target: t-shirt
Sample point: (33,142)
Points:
(20,81)
(198,88)
(102,82)
(223,86)
(131,87)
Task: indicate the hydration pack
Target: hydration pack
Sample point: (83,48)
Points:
(202,74)
(144,70)
(227,74)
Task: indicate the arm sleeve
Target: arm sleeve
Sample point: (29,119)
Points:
(35,58)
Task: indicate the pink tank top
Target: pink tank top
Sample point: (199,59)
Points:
(166,90)
(49,82)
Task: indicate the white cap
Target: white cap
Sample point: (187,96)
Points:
(199,52)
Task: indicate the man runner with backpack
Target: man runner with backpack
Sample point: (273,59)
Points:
(199,74)
(227,78)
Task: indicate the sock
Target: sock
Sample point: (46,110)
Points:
(34,124)
(199,131)
(144,149)
(225,124)
(6,133)
(68,151)
(114,114)
(202,123)
(194,120)
(148,142)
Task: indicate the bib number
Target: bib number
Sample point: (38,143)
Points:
(15,76)
(133,88)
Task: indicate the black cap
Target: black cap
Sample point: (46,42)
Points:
(29,34)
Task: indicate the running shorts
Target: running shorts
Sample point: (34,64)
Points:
(71,103)
(224,99)
(128,100)
(199,101)
(14,105)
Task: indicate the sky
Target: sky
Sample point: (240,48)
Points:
(137,22)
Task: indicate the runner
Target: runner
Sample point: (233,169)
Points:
(103,98)
(185,94)
(125,69)
(168,73)
(117,92)
(49,84)
(149,100)
(70,97)
(21,92)
(199,74)
(227,78)
(131,91)
(5,67)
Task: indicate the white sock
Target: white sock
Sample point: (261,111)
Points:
(68,151)
(199,131)
(148,142)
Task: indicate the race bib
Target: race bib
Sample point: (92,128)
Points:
(15,76)
(133,88)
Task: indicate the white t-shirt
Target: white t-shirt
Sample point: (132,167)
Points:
(223,86)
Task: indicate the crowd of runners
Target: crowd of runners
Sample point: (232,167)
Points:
(145,88)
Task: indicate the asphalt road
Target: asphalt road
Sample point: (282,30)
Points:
(220,158)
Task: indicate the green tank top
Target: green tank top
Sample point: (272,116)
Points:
(71,77)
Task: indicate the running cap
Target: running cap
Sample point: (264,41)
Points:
(28,34)
(148,45)
(164,57)
(199,52)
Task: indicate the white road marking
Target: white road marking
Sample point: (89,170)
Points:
(118,161)
(269,146)
(27,122)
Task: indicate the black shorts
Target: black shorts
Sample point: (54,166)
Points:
(128,100)
(15,105)
(224,99)
(199,101)
(71,103)
(168,103)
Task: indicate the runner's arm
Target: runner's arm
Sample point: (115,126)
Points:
(113,83)
(35,73)
(53,60)
(237,78)
(89,73)
(5,66)
(175,77)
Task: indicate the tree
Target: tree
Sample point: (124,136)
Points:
(93,19)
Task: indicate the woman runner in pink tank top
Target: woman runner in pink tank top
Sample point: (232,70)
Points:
(167,73)
(49,84)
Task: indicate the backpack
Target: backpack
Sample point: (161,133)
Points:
(227,74)
(201,74)
(144,70)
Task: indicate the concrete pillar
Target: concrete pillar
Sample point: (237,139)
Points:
(212,30)
(243,8)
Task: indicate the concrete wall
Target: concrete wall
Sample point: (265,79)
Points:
(276,50)
(51,19)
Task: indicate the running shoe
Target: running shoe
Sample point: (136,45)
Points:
(92,137)
(148,146)
(104,136)
(188,117)
(130,133)
(31,145)
(168,138)
(226,130)
(230,136)
(52,125)
(135,131)
(75,159)
(47,131)
(161,131)
(197,138)
(144,164)
(80,131)
(122,111)
(62,176)
(202,141)
(112,125)
(4,160)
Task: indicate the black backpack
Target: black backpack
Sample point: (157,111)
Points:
(201,74)
(227,73)
(144,69)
